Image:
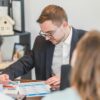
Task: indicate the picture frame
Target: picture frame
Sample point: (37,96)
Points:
(18,15)
(18,51)
(4,7)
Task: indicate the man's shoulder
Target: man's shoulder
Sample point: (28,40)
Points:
(40,42)
(40,38)
(79,31)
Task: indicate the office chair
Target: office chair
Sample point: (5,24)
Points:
(65,73)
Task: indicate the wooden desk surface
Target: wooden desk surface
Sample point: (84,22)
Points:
(33,98)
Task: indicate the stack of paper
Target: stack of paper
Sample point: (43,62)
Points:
(28,89)
(34,89)
(12,87)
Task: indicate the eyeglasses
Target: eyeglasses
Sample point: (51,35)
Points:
(49,33)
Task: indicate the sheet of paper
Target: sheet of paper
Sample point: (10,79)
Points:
(28,89)
(34,89)
(12,87)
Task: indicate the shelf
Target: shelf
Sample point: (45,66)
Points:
(24,38)
(16,33)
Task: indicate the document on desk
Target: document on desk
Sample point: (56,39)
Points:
(31,89)
(12,87)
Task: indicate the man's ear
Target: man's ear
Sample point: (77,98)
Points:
(65,24)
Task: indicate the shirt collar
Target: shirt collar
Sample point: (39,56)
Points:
(68,39)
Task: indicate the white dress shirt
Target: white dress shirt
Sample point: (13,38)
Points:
(61,54)
(66,48)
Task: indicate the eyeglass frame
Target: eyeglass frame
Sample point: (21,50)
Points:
(49,33)
(46,35)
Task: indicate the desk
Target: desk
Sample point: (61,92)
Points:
(33,98)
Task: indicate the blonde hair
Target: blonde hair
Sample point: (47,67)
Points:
(86,70)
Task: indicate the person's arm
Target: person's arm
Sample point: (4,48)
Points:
(21,67)
(25,64)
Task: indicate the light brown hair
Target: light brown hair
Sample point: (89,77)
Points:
(54,13)
(86,71)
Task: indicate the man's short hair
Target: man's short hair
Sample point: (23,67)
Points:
(54,13)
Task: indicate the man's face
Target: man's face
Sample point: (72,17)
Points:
(52,32)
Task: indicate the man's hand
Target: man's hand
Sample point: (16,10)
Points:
(54,82)
(4,79)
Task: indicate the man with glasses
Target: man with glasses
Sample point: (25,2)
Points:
(52,48)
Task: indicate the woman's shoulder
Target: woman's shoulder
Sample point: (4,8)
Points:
(69,93)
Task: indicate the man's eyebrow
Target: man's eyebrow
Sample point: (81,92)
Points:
(49,31)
